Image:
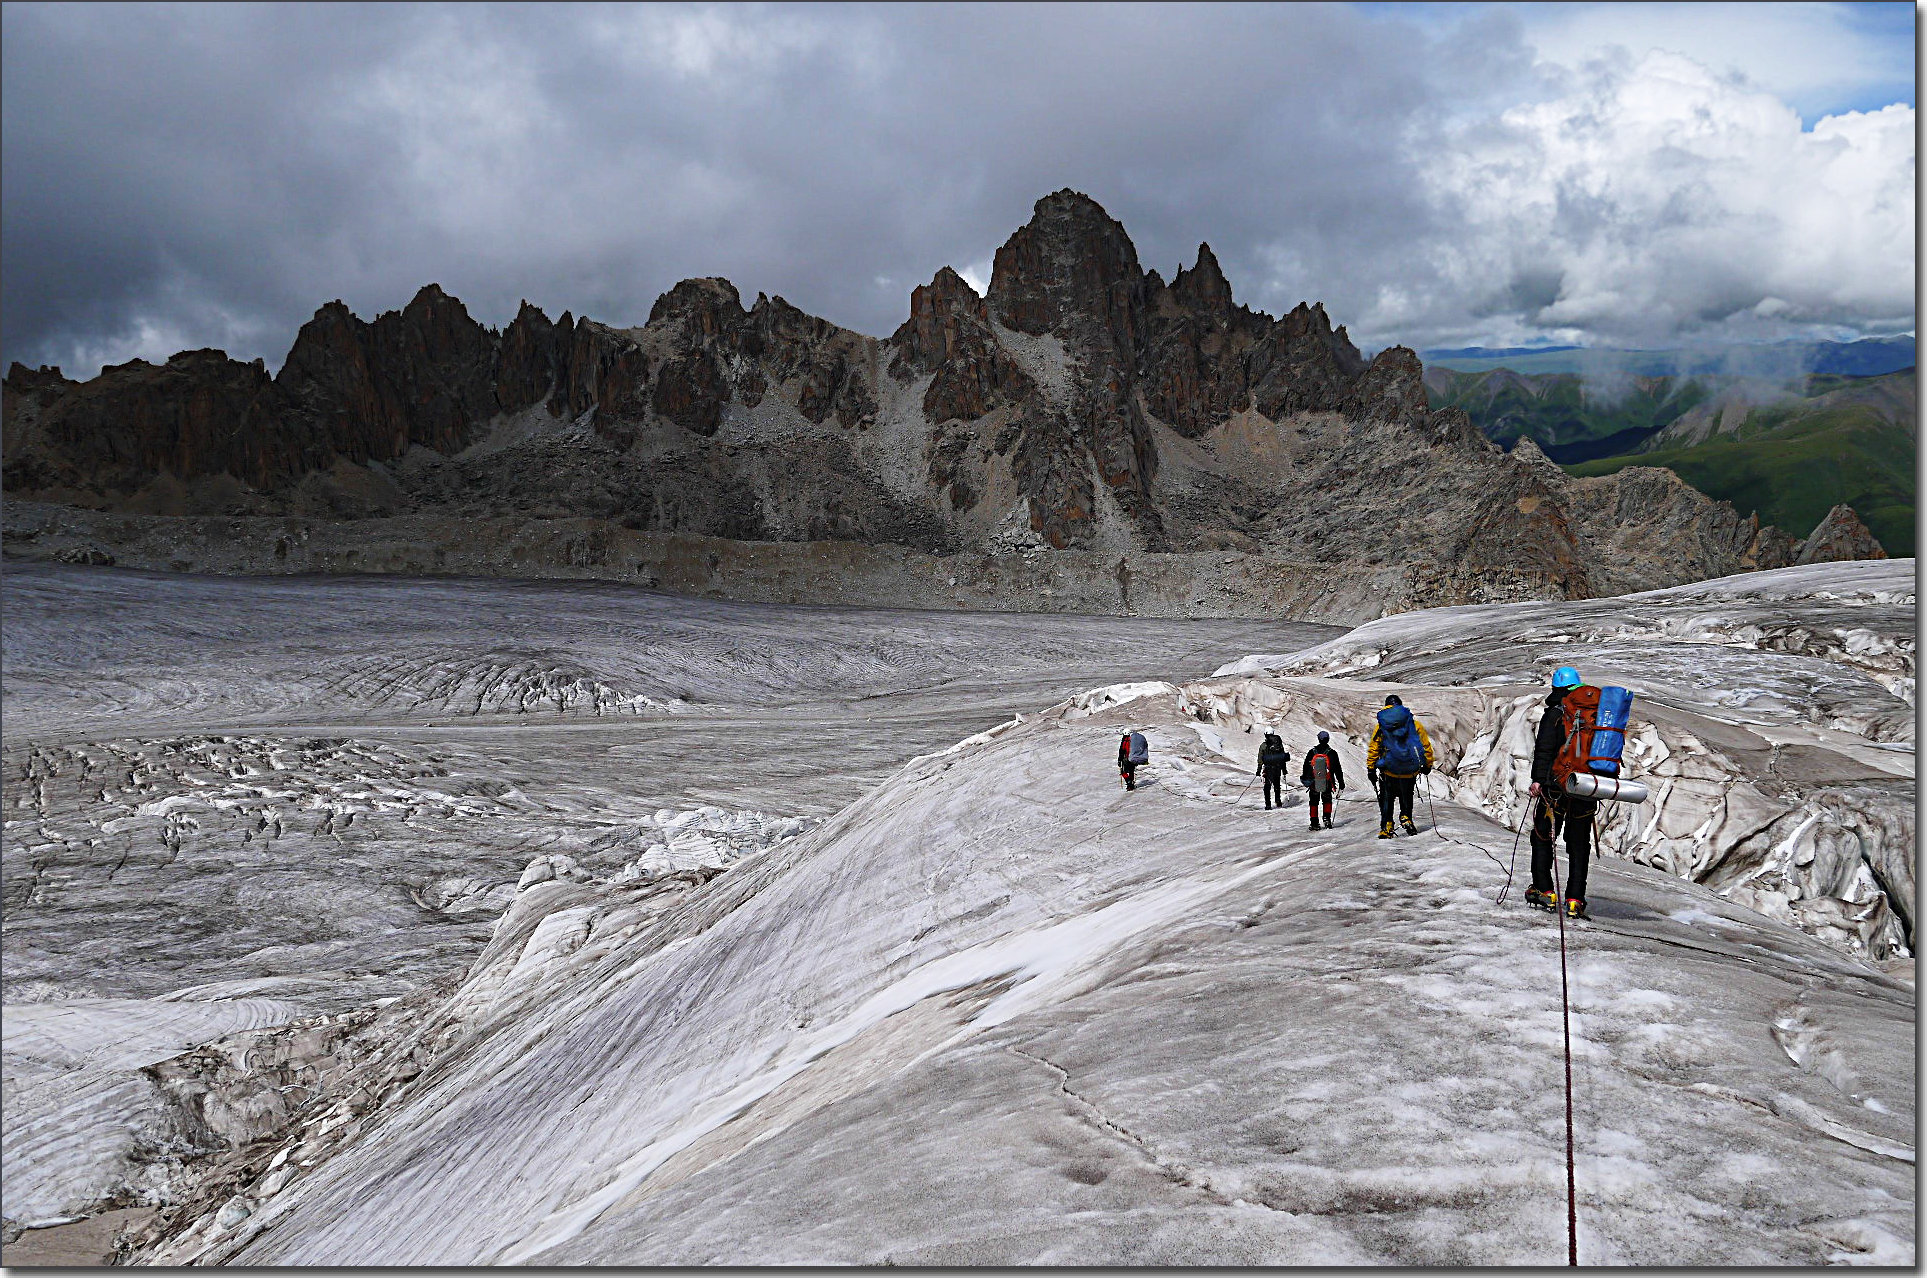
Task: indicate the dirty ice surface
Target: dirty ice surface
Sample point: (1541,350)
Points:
(1774,722)
(998,1010)
(993,1009)
(312,796)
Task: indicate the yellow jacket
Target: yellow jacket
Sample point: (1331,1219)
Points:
(1377,747)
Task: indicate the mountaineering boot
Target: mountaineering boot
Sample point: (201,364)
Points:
(1540,900)
(1385,831)
(1407,823)
(1328,821)
(1314,823)
(1576,908)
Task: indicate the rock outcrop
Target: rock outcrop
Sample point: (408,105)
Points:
(1081,404)
(1840,535)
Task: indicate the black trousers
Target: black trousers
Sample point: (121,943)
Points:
(1551,811)
(1315,797)
(1399,788)
(1274,788)
(1130,775)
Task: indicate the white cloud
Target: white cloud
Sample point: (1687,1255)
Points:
(1813,56)
(1434,175)
(977,274)
(1657,197)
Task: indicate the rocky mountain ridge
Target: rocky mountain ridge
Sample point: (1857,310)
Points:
(1081,403)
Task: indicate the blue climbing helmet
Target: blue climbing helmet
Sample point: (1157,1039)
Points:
(1566,677)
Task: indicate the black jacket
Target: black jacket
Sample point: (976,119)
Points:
(1551,738)
(1272,759)
(1338,769)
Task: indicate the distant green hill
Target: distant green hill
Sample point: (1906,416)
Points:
(1559,412)
(1850,440)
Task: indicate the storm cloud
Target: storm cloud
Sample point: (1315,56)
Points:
(185,177)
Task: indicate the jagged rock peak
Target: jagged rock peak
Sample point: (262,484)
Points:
(1839,536)
(1071,262)
(1392,388)
(940,313)
(1203,287)
(1527,450)
(947,283)
(529,358)
(708,298)
(46,377)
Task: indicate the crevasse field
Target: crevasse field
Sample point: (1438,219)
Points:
(374,921)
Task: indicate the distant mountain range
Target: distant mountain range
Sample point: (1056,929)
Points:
(1788,456)
(1849,440)
(1868,357)
(1444,354)
(1082,435)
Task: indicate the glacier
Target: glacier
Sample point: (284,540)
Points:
(810,936)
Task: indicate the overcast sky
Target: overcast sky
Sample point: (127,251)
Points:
(1445,175)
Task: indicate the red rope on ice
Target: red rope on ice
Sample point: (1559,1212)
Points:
(1565,1013)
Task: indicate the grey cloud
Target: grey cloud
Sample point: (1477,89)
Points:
(211,175)
(207,176)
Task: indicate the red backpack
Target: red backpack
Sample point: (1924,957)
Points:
(1581,708)
(1321,774)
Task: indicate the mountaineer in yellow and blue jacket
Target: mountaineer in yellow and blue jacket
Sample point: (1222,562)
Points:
(1398,752)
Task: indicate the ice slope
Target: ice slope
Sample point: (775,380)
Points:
(210,779)
(225,791)
(999,1011)
(76,1103)
(1776,727)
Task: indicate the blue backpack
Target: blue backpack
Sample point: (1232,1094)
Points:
(1398,744)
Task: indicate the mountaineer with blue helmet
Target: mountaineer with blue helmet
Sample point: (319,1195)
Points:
(1554,808)
(1398,752)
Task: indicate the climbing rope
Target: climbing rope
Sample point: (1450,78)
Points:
(1511,862)
(1565,1016)
(1508,866)
(1565,995)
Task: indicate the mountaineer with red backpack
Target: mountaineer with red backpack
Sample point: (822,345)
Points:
(1132,752)
(1570,705)
(1398,752)
(1323,777)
